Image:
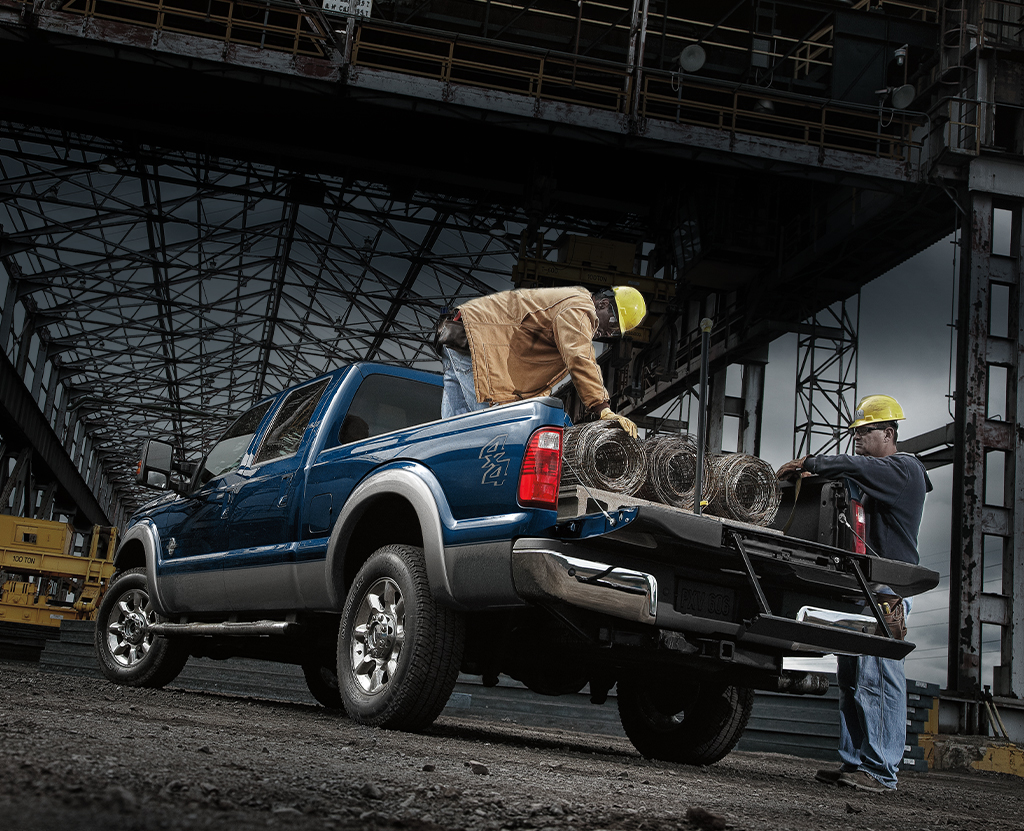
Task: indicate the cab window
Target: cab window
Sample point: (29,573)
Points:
(384,403)
(291,421)
(227,453)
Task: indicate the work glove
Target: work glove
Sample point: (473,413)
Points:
(624,423)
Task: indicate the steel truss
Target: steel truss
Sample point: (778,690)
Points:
(826,379)
(155,293)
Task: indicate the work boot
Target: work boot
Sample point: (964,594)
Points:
(861,781)
(830,776)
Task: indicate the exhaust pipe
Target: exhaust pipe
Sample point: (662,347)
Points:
(801,683)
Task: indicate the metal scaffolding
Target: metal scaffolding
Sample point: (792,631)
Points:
(826,379)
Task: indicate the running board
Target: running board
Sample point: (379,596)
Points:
(255,628)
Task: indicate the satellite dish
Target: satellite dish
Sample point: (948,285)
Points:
(692,57)
(903,97)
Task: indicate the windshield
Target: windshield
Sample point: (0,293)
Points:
(227,454)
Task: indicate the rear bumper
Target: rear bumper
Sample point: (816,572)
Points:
(545,570)
(553,571)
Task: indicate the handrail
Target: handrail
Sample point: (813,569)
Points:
(827,125)
(271,24)
(478,63)
(538,74)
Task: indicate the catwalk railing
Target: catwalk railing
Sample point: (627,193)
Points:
(640,94)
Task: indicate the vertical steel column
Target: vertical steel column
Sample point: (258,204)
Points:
(977,438)
(7,317)
(716,411)
(748,439)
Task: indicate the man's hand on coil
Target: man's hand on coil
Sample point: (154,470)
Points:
(793,469)
(624,423)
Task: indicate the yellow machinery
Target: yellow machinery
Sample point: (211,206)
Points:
(42,580)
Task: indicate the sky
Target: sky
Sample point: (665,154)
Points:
(904,350)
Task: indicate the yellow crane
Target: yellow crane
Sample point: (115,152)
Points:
(42,580)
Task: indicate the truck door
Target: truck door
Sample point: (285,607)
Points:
(262,524)
(193,581)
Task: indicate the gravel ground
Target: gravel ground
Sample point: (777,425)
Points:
(83,754)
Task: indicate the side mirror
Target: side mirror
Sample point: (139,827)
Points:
(155,465)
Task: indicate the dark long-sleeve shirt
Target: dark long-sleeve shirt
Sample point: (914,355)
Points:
(894,488)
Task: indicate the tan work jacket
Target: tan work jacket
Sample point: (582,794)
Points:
(524,341)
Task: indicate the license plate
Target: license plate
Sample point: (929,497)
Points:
(704,600)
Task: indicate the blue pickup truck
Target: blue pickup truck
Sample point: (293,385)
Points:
(341,526)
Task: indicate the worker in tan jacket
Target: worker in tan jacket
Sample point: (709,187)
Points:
(519,344)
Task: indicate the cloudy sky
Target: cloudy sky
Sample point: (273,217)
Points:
(904,351)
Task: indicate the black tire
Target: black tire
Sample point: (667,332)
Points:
(128,654)
(322,681)
(692,723)
(398,649)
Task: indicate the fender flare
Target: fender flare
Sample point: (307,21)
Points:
(420,488)
(145,532)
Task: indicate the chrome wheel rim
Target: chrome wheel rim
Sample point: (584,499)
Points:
(378,636)
(128,636)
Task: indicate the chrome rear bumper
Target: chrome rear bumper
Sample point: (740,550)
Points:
(543,573)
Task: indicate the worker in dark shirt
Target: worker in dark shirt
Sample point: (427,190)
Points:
(873,691)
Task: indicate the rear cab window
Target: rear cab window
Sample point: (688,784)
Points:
(384,403)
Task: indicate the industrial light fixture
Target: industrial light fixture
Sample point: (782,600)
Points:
(692,58)
(763,105)
(902,96)
(497,229)
(901,54)
(108,164)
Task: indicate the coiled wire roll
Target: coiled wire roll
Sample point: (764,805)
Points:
(602,455)
(672,471)
(749,490)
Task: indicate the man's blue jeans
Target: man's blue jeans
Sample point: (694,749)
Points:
(872,714)
(459,387)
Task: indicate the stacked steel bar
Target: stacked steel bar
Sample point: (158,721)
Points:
(603,455)
(749,490)
(672,471)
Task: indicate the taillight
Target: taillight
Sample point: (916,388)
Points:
(542,469)
(860,530)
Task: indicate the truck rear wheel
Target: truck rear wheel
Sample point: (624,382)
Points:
(695,723)
(399,651)
(128,653)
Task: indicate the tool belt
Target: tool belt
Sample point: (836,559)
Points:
(451,332)
(894,614)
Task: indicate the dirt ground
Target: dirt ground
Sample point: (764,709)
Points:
(81,753)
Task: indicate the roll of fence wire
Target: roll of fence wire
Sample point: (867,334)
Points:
(672,471)
(602,455)
(748,489)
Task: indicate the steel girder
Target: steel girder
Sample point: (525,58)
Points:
(158,292)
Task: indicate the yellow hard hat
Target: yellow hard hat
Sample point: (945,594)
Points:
(874,408)
(629,304)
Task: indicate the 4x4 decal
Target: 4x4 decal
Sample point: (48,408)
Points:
(495,461)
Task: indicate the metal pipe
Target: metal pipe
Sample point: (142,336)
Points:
(705,344)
